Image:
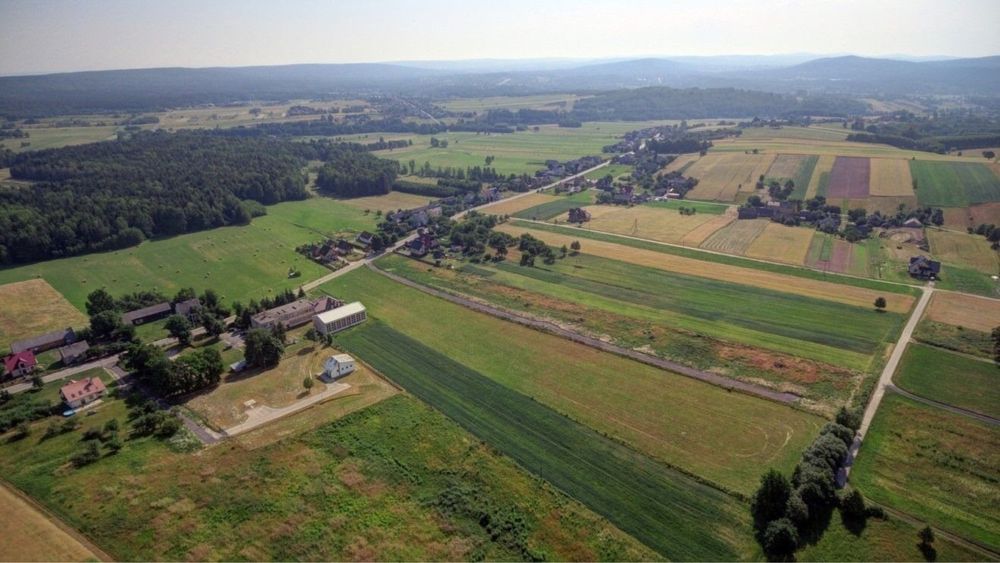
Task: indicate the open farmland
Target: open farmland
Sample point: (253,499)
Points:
(820,177)
(949,378)
(563,102)
(721,175)
(890,177)
(778,144)
(736,237)
(954,184)
(935,465)
(849,178)
(658,412)
(666,225)
(832,254)
(814,133)
(962,218)
(556,207)
(962,249)
(795,167)
(388,202)
(966,311)
(668,511)
(32,307)
(239,262)
(30,535)
(781,243)
(54,137)
(512,206)
(682,163)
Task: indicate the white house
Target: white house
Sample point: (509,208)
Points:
(340,318)
(338,365)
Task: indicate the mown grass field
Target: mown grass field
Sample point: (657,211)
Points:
(32,307)
(954,184)
(355,488)
(935,465)
(238,262)
(557,207)
(950,378)
(698,206)
(816,133)
(721,175)
(613,170)
(963,250)
(675,515)
(658,412)
(513,103)
(736,237)
(389,202)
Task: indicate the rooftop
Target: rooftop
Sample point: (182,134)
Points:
(82,388)
(341,312)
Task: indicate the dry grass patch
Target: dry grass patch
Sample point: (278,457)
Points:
(698,235)
(823,167)
(33,307)
(890,177)
(736,237)
(29,534)
(786,166)
(721,175)
(749,276)
(782,243)
(512,206)
(964,310)
(961,249)
(660,224)
(388,202)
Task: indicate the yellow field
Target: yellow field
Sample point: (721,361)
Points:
(29,534)
(968,311)
(824,164)
(712,270)
(510,207)
(31,308)
(664,225)
(680,162)
(786,166)
(890,177)
(735,238)
(784,144)
(389,202)
(782,243)
(961,249)
(721,175)
(698,235)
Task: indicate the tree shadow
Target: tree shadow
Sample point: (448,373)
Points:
(854,524)
(812,530)
(928,551)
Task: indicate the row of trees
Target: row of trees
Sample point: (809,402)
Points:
(190,372)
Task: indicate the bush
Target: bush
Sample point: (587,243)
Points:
(780,538)
(89,455)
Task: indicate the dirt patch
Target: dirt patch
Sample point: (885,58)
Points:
(849,177)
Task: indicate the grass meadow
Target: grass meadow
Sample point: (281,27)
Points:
(557,207)
(954,184)
(32,307)
(950,378)
(963,250)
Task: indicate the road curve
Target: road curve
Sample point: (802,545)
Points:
(945,406)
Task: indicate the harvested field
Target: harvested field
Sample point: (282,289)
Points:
(721,175)
(891,177)
(29,534)
(389,202)
(832,291)
(512,206)
(31,308)
(968,311)
(954,184)
(887,205)
(988,213)
(654,223)
(684,161)
(782,243)
(698,235)
(962,249)
(736,237)
(849,177)
(823,166)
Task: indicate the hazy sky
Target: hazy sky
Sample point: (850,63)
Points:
(60,35)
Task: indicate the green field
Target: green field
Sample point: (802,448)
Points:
(954,184)
(562,102)
(699,206)
(615,170)
(558,207)
(54,137)
(675,515)
(959,339)
(935,465)
(950,378)
(663,414)
(803,177)
(239,262)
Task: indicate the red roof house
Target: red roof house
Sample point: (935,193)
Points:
(21,363)
(79,393)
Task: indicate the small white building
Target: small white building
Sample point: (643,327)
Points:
(338,365)
(336,320)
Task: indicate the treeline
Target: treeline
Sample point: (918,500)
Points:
(349,173)
(328,127)
(940,132)
(939,145)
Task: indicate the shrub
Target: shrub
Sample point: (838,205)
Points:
(780,538)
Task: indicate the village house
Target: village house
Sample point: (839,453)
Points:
(294,314)
(83,392)
(365,238)
(340,318)
(147,314)
(338,365)
(924,268)
(45,342)
(913,223)
(188,308)
(20,364)
(74,352)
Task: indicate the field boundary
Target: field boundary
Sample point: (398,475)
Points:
(984,418)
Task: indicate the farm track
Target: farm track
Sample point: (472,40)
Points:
(945,406)
(552,328)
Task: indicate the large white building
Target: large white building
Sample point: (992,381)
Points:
(340,318)
(338,365)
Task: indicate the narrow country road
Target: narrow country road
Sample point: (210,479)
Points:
(68,372)
(552,328)
(945,406)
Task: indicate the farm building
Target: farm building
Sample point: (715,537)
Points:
(74,352)
(340,318)
(338,365)
(45,342)
(78,393)
(296,313)
(19,364)
(773,209)
(188,308)
(579,215)
(147,314)
(924,268)
(421,245)
(365,238)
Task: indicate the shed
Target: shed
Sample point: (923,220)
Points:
(338,365)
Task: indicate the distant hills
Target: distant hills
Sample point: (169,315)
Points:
(151,89)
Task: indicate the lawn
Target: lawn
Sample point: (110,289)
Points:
(782,243)
(357,488)
(950,378)
(964,250)
(240,263)
(721,175)
(32,307)
(557,207)
(935,465)
(954,184)
(675,515)
(659,412)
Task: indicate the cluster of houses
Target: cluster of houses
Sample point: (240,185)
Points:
(554,170)
(22,360)
(188,308)
(328,315)
(779,210)
(423,244)
(922,267)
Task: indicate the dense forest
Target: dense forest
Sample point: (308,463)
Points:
(115,194)
(939,132)
(356,174)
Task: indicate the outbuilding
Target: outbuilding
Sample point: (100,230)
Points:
(338,365)
(336,320)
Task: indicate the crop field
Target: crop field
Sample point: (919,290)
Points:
(887,205)
(54,137)
(563,102)
(388,202)
(721,175)
(890,177)
(937,466)
(822,170)
(736,237)
(239,262)
(834,255)
(658,412)
(512,206)
(849,178)
(660,224)
(781,243)
(779,144)
(32,307)
(557,207)
(673,514)
(29,534)
(779,277)
(951,378)
(816,133)
(796,167)
(962,249)
(681,163)
(965,311)
(954,184)
(698,206)
(695,237)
